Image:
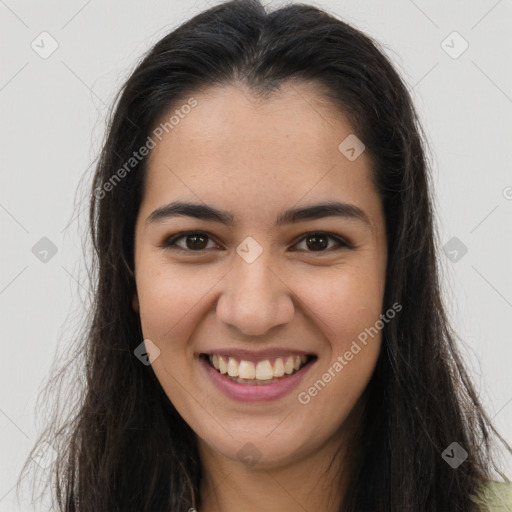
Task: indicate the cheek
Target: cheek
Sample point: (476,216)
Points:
(344,302)
(168,297)
(347,309)
(170,311)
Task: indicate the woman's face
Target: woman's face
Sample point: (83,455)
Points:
(262,284)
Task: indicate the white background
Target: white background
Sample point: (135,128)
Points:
(53,115)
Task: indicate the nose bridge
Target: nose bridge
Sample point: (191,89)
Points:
(254,299)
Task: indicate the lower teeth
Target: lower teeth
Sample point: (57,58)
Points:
(255,381)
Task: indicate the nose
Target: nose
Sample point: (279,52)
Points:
(255,297)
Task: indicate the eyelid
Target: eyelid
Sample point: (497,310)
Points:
(342,243)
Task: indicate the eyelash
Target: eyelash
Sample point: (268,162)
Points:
(169,243)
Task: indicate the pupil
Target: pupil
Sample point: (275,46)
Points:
(193,245)
(316,238)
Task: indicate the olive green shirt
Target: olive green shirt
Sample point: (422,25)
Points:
(494,497)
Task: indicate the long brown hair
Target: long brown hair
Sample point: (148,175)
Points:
(123,446)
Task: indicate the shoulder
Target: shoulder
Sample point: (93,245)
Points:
(494,497)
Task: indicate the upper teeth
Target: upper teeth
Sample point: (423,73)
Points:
(263,370)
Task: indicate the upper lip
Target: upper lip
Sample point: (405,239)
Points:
(256,355)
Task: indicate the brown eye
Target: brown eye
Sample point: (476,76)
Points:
(318,242)
(194,241)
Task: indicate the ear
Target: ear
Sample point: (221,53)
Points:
(135,302)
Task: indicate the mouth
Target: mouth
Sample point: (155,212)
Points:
(261,372)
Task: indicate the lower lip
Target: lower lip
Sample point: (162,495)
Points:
(255,392)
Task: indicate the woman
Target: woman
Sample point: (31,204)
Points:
(268,331)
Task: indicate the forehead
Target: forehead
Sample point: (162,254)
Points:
(262,152)
(230,121)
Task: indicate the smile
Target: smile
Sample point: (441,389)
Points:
(264,371)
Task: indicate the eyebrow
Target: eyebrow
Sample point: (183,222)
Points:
(291,216)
